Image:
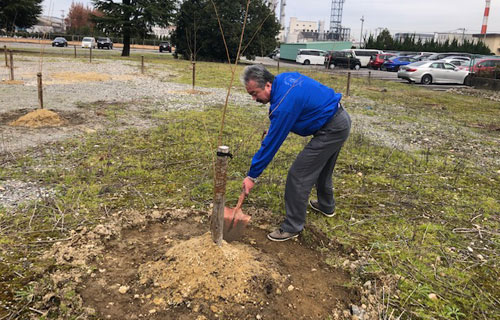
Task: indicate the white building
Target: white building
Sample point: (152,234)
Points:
(439,37)
(460,37)
(47,24)
(163,33)
(298,29)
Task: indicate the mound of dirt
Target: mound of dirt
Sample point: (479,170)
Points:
(39,118)
(199,269)
(11,82)
(65,77)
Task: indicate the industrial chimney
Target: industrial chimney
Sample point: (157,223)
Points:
(486,15)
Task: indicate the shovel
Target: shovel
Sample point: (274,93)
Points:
(235,221)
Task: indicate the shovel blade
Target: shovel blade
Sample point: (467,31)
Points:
(235,222)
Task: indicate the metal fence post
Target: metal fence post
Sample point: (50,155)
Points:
(11,65)
(6,58)
(348,84)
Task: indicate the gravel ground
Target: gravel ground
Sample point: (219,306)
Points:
(65,93)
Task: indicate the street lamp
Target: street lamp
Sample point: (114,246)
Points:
(361,35)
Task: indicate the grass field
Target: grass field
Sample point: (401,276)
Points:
(417,187)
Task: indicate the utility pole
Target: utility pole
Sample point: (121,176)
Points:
(361,35)
(63,24)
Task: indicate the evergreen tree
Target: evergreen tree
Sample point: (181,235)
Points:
(385,40)
(132,17)
(200,16)
(19,13)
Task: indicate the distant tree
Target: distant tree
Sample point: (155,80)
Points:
(132,17)
(261,22)
(385,41)
(19,13)
(79,19)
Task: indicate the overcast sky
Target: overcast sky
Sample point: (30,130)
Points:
(419,16)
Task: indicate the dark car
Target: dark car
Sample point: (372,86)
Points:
(165,46)
(341,59)
(59,42)
(103,42)
(377,60)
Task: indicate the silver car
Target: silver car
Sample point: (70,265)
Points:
(427,72)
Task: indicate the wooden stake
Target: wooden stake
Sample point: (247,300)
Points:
(278,65)
(217,219)
(6,59)
(142,64)
(369,77)
(11,65)
(90,53)
(194,74)
(348,84)
(40,89)
(75,51)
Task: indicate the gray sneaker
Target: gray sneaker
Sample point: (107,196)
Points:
(315,206)
(280,235)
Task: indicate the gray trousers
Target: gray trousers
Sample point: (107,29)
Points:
(314,166)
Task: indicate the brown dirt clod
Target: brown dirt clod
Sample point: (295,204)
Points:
(38,118)
(199,269)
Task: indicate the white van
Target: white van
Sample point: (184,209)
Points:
(364,55)
(310,56)
(88,42)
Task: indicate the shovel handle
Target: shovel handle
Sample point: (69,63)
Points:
(240,201)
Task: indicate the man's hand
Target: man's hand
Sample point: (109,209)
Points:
(248,184)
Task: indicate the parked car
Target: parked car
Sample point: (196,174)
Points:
(103,42)
(457,60)
(341,59)
(165,46)
(377,60)
(59,42)
(459,63)
(274,53)
(484,65)
(393,63)
(422,56)
(364,55)
(88,42)
(310,56)
(427,72)
(440,56)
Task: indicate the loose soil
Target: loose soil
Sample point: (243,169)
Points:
(165,266)
(38,118)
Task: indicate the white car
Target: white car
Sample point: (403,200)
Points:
(88,42)
(310,56)
(435,71)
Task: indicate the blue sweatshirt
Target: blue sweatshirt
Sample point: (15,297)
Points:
(298,104)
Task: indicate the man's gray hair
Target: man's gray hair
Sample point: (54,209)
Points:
(257,73)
